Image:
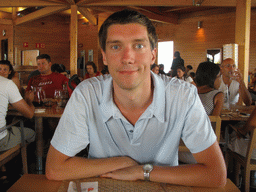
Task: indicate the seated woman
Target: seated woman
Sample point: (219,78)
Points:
(7,71)
(181,74)
(91,70)
(208,82)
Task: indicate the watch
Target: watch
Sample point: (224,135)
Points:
(147,168)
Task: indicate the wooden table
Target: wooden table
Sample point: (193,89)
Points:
(49,112)
(37,183)
(235,113)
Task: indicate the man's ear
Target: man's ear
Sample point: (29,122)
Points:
(104,57)
(153,59)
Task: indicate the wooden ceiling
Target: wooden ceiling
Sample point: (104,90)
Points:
(168,11)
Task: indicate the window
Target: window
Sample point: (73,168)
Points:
(165,54)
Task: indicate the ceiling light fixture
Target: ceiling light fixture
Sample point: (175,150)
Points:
(199,24)
(197,3)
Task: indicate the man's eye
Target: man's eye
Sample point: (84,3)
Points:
(139,46)
(115,47)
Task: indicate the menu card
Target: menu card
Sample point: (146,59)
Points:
(83,186)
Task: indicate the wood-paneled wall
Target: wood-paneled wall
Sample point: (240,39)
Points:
(53,32)
(50,33)
(216,31)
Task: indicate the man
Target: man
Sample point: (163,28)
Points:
(232,84)
(9,93)
(48,80)
(161,69)
(134,119)
(177,61)
(155,68)
(188,69)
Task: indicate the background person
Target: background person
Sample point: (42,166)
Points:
(48,80)
(132,118)
(189,69)
(155,68)
(7,71)
(208,82)
(91,70)
(9,94)
(232,84)
(181,74)
(161,69)
(177,61)
(240,139)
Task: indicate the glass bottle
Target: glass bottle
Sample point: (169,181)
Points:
(65,94)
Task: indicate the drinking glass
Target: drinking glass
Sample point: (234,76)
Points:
(58,94)
(39,96)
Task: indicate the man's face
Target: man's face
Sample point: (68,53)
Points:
(90,69)
(227,68)
(4,70)
(44,67)
(128,55)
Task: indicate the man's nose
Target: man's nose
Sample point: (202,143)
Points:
(128,55)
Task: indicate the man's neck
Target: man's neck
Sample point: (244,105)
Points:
(226,80)
(44,74)
(132,104)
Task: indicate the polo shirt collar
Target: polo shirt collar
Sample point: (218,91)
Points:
(156,108)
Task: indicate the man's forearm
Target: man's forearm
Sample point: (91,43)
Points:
(245,94)
(78,167)
(189,175)
(211,172)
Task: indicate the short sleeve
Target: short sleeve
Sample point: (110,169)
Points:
(13,92)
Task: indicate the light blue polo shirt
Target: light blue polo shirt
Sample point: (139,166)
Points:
(92,117)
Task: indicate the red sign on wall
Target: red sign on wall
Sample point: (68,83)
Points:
(40,45)
(37,45)
(25,44)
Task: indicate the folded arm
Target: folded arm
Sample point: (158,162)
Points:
(26,108)
(63,167)
(210,171)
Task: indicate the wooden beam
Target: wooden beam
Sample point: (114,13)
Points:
(221,3)
(39,14)
(73,40)
(172,18)
(28,3)
(71,2)
(6,22)
(87,14)
(242,35)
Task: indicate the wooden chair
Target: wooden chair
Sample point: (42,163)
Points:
(8,155)
(248,163)
(216,125)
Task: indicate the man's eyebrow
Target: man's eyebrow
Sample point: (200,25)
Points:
(113,41)
(118,41)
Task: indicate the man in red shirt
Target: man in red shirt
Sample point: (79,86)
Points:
(48,80)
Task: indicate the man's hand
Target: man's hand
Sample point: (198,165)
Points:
(237,75)
(130,173)
(29,96)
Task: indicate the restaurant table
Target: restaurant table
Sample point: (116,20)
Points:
(237,113)
(40,113)
(37,183)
